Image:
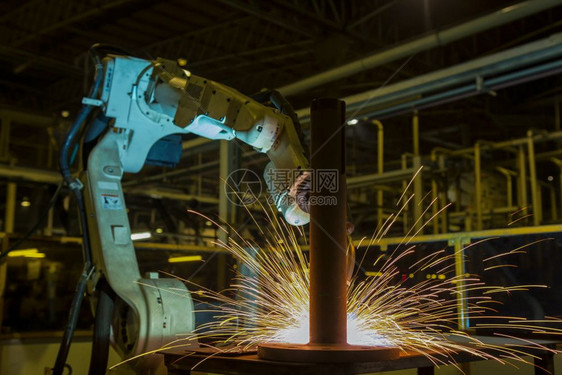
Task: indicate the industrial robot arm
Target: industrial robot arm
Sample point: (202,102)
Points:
(150,100)
(143,102)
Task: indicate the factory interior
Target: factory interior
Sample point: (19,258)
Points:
(280,187)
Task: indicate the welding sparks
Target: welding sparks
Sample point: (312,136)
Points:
(272,305)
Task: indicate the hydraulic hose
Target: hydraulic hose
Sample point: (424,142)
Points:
(102,329)
(76,186)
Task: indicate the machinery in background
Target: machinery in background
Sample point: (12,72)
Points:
(134,115)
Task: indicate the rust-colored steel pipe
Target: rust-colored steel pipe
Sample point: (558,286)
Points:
(328,234)
(328,288)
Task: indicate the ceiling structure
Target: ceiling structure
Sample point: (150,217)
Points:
(251,45)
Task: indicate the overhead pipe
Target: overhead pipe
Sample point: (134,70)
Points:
(479,86)
(435,39)
(526,55)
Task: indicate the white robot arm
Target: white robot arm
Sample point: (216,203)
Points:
(150,100)
(147,101)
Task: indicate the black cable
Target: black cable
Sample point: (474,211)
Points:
(282,104)
(76,186)
(64,348)
(102,329)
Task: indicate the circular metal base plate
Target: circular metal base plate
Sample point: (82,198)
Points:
(326,353)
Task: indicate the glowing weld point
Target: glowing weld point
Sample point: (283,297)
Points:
(298,333)
(357,333)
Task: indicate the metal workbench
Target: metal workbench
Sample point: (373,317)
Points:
(180,363)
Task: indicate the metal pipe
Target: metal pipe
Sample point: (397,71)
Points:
(470,90)
(416,133)
(508,174)
(459,244)
(558,163)
(435,207)
(224,171)
(418,195)
(478,186)
(487,66)
(435,192)
(443,200)
(404,165)
(328,289)
(435,39)
(522,166)
(379,178)
(533,177)
(35,175)
(170,194)
(10,212)
(539,200)
(380,169)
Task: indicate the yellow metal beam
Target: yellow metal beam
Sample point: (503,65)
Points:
(446,237)
(459,244)
(537,210)
(380,169)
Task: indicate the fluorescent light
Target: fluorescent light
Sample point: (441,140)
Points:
(22,253)
(353,121)
(140,236)
(187,258)
(38,255)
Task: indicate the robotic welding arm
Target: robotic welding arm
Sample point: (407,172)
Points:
(150,100)
(142,103)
